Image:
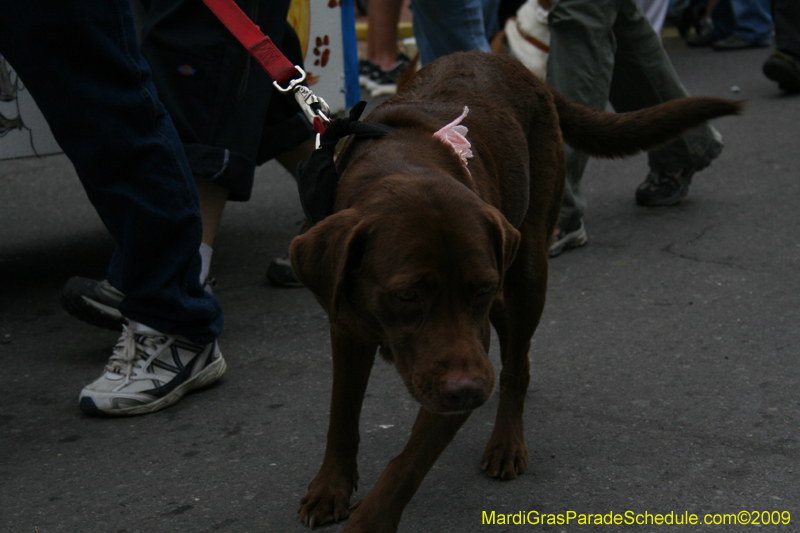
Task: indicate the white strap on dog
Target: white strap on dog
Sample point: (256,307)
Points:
(455,135)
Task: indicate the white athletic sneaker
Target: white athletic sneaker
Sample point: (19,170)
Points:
(149,371)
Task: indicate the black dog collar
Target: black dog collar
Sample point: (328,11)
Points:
(317,179)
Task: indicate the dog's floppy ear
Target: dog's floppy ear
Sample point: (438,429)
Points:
(323,255)
(506,238)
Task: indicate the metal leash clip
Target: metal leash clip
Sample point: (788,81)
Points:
(314,108)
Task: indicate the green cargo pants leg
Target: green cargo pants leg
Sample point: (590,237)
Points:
(606,50)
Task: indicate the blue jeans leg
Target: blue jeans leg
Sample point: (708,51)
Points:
(753,20)
(750,20)
(446,26)
(81,63)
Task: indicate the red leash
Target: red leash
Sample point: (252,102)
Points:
(271,60)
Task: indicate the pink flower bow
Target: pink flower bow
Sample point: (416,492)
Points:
(455,135)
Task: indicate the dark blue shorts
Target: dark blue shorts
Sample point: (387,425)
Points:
(229,116)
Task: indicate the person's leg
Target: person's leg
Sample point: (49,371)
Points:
(580,65)
(714,25)
(447,26)
(215,92)
(783,66)
(197,82)
(81,63)
(213,198)
(723,18)
(750,22)
(644,77)
(383,17)
(753,20)
(787,26)
(383,65)
(289,160)
(491,17)
(222,101)
(656,12)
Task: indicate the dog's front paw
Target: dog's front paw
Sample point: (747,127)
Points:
(327,500)
(505,457)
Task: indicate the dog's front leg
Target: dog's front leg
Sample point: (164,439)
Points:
(328,497)
(381,509)
(515,319)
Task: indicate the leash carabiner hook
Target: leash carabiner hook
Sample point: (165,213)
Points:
(314,108)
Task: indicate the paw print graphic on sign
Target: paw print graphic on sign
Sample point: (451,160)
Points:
(322,51)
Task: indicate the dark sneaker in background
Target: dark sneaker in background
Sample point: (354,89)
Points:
(94,302)
(279,270)
(704,35)
(381,82)
(784,69)
(669,188)
(664,188)
(280,273)
(733,42)
(97,302)
(365,68)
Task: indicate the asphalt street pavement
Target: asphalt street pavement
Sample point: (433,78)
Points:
(665,371)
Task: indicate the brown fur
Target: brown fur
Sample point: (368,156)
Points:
(422,254)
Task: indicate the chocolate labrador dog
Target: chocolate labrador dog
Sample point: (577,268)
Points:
(441,229)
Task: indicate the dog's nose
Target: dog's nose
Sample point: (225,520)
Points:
(463,392)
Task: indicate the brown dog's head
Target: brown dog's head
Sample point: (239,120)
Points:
(416,265)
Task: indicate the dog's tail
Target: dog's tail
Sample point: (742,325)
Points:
(603,134)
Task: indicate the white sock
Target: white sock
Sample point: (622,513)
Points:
(138,326)
(205,254)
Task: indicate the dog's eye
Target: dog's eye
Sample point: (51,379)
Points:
(406,295)
(486,289)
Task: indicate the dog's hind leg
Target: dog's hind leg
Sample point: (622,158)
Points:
(381,509)
(328,497)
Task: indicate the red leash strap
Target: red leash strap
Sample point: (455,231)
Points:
(273,61)
(259,45)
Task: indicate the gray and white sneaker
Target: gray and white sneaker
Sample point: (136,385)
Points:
(97,302)
(149,371)
(380,82)
(571,236)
